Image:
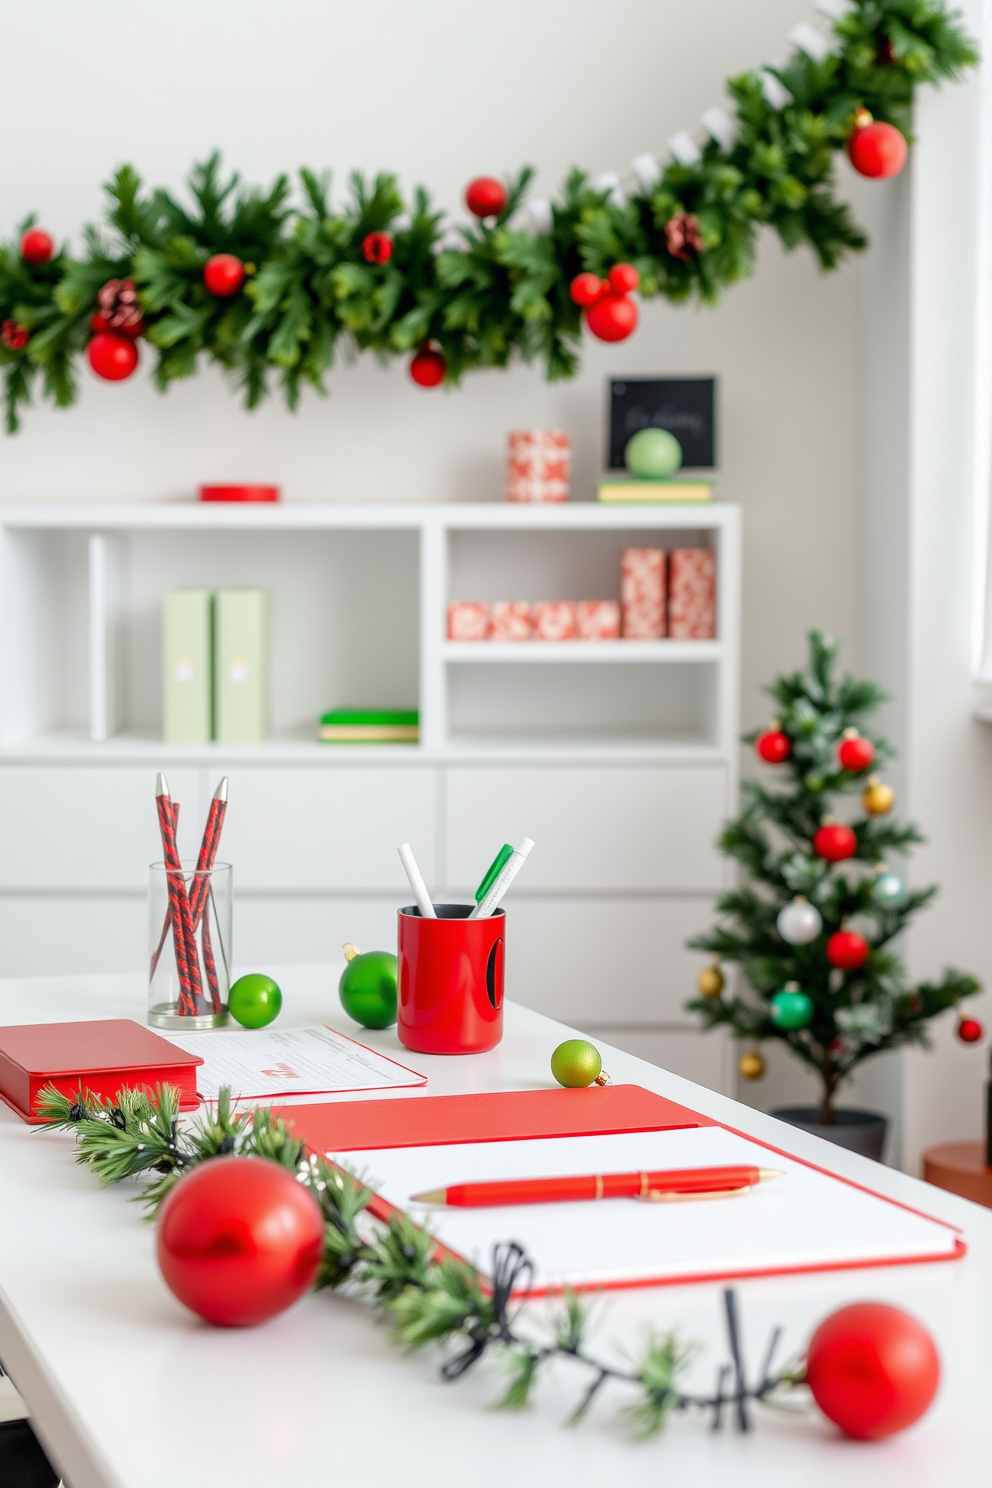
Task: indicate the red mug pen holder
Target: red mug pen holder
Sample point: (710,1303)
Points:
(450,980)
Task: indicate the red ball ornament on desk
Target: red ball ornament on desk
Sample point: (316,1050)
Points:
(969,1030)
(485,196)
(614,318)
(624,278)
(835,842)
(239,1240)
(587,289)
(855,752)
(223,274)
(873,1369)
(847,950)
(877,150)
(37,246)
(112,357)
(428,367)
(773,746)
(377,247)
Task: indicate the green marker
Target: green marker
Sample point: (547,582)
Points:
(496,867)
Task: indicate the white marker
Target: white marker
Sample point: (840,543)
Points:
(416,882)
(514,863)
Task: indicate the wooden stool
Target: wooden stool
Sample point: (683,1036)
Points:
(960,1168)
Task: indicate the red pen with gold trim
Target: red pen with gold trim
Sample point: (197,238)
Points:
(667,1184)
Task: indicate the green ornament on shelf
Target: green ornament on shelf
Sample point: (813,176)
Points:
(653,454)
(254,1000)
(577,1063)
(791,1009)
(368,987)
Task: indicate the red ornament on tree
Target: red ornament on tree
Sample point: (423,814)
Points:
(873,1369)
(682,237)
(876,150)
(613,318)
(485,196)
(111,356)
(847,950)
(855,753)
(37,246)
(15,337)
(427,368)
(587,290)
(119,309)
(773,746)
(377,247)
(239,1240)
(835,842)
(624,278)
(969,1030)
(223,274)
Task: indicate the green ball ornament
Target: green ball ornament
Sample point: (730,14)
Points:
(368,988)
(791,1009)
(577,1063)
(254,1000)
(888,890)
(653,454)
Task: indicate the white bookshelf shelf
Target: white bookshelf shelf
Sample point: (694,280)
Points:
(582,652)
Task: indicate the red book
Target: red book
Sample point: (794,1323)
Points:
(103,1057)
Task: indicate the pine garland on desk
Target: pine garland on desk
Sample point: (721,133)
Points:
(268,290)
(429,1298)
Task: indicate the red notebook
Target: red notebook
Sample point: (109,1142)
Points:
(103,1057)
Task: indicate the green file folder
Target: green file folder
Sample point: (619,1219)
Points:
(241,666)
(187,666)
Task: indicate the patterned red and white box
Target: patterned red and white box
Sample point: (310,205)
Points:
(642,593)
(467,620)
(539,465)
(692,594)
(554,620)
(510,620)
(597,620)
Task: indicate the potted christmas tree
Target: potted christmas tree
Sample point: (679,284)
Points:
(817,913)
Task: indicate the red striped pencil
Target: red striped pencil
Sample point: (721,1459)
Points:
(167,922)
(184,940)
(208,852)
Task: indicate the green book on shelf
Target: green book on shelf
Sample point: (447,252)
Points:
(370,726)
(646,492)
(241,665)
(187,666)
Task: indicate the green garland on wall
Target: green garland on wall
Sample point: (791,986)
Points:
(313,280)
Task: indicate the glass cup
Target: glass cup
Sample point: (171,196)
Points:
(189,989)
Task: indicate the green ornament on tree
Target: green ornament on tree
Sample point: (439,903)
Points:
(653,454)
(254,1000)
(368,987)
(791,1009)
(577,1063)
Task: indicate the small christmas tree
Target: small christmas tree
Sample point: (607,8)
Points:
(813,924)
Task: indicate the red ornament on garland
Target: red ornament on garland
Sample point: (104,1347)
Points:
(682,237)
(773,746)
(239,1240)
(847,950)
(613,318)
(15,337)
(377,248)
(428,366)
(855,752)
(969,1030)
(111,356)
(223,274)
(873,1369)
(835,842)
(624,278)
(877,150)
(587,290)
(37,246)
(485,196)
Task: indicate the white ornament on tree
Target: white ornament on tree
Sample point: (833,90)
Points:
(799,922)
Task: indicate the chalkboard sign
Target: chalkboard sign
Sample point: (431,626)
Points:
(683,405)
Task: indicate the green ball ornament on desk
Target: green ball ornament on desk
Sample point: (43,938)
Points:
(577,1063)
(254,1000)
(791,1009)
(368,987)
(653,454)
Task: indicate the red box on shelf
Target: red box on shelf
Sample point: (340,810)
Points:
(642,593)
(467,621)
(539,465)
(510,620)
(692,594)
(597,620)
(554,620)
(239,493)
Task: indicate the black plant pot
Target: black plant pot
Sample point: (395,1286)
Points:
(859,1131)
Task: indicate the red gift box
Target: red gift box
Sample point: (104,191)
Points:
(510,620)
(554,620)
(597,620)
(467,621)
(539,465)
(642,593)
(692,594)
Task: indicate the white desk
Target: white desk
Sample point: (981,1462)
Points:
(128,1390)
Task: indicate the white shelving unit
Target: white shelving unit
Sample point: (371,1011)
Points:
(619,758)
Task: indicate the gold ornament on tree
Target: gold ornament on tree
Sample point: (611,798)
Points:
(878,798)
(709,982)
(751,1065)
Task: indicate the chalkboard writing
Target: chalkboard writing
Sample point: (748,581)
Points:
(683,405)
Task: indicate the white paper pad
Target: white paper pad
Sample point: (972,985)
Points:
(803,1220)
(263,1062)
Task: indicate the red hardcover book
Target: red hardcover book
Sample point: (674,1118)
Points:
(103,1057)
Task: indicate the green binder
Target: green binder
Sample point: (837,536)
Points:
(241,666)
(187,666)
